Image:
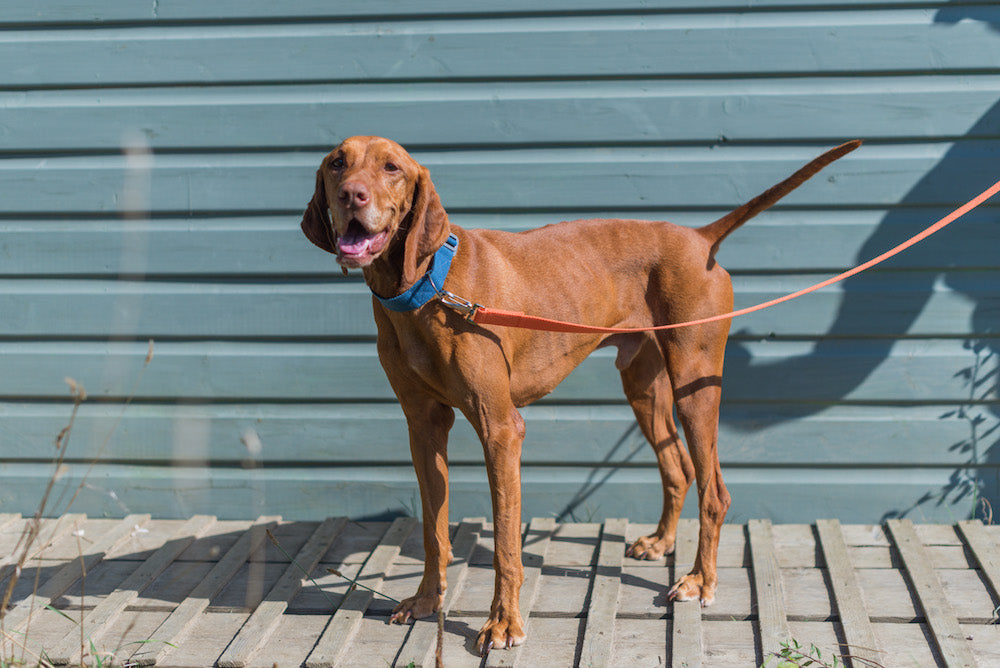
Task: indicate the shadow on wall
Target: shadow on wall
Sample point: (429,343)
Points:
(957,176)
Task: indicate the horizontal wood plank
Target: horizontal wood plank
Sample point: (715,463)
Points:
(643,111)
(906,40)
(603,434)
(272,246)
(57,11)
(879,304)
(859,495)
(572,179)
(929,370)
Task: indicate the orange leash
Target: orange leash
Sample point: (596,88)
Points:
(484,315)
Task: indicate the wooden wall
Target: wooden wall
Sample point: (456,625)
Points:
(156,158)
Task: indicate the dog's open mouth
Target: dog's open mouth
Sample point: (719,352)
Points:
(357,247)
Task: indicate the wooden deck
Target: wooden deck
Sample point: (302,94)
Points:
(204,592)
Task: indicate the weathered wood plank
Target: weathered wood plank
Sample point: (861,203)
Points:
(768,588)
(638,637)
(591,179)
(984,549)
(17,618)
(686,641)
(785,240)
(463,48)
(913,303)
(606,587)
(264,620)
(421,643)
(536,543)
(175,627)
(942,557)
(7,519)
(302,432)
(936,371)
(105,614)
(370,490)
(47,12)
(7,525)
(255,117)
(573,545)
(344,623)
(50,531)
(941,617)
(858,632)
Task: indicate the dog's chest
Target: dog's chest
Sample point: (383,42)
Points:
(419,349)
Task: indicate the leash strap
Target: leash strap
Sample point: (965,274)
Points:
(483,315)
(426,288)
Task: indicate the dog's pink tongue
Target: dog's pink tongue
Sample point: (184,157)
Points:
(354,242)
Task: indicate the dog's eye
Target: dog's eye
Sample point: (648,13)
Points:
(337,164)
(390,167)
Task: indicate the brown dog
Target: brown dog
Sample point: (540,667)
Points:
(387,220)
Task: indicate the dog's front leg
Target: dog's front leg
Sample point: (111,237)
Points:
(502,433)
(429,423)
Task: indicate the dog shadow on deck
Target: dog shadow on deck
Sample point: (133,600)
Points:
(149,568)
(303,573)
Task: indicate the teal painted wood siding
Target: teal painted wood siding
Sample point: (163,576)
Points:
(155,159)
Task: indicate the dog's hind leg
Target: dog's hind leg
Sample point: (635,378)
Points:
(647,387)
(694,358)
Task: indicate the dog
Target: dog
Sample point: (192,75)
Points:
(377,210)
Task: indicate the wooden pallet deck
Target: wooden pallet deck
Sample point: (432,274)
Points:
(204,592)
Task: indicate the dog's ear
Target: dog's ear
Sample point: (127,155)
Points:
(428,226)
(316,219)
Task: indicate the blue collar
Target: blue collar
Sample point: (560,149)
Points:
(429,285)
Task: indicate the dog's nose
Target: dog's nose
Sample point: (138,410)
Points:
(354,194)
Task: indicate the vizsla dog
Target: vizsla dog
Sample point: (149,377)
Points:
(376,209)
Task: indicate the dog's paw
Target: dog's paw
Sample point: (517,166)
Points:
(692,587)
(416,607)
(501,632)
(650,548)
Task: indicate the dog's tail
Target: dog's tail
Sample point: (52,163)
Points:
(720,229)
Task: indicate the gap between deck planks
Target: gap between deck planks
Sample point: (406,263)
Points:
(923,592)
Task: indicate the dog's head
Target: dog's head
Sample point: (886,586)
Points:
(371,195)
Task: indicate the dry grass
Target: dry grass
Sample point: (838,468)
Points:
(14,645)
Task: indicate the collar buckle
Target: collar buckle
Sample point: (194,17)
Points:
(463,306)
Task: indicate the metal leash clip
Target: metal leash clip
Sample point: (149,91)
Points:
(464,306)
